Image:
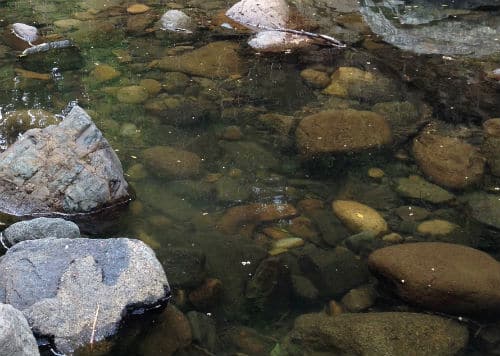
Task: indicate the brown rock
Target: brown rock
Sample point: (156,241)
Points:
(215,60)
(448,161)
(338,131)
(491,145)
(444,277)
(310,204)
(167,161)
(104,72)
(359,217)
(137,9)
(237,217)
(315,78)
(302,227)
(171,333)
(207,295)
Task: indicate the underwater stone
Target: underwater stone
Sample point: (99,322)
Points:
(176,21)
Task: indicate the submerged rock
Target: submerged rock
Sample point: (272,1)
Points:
(491,145)
(41,228)
(416,187)
(16,338)
(63,285)
(340,131)
(215,60)
(19,121)
(484,208)
(448,161)
(444,277)
(359,217)
(167,161)
(389,334)
(69,168)
(176,21)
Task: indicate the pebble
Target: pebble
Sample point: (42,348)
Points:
(359,217)
(436,227)
(376,173)
(289,242)
(137,9)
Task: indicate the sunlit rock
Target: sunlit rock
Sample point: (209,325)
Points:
(359,217)
(16,337)
(176,21)
(66,168)
(88,286)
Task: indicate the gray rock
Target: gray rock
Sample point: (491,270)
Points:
(60,285)
(303,289)
(364,243)
(416,187)
(485,208)
(177,21)
(16,338)
(41,228)
(375,334)
(65,168)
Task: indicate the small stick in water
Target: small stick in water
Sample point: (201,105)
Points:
(93,327)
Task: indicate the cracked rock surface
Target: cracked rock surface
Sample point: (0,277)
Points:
(60,285)
(65,168)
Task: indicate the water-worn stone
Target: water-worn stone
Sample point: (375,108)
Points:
(133,94)
(176,21)
(171,333)
(448,161)
(202,329)
(167,161)
(403,116)
(339,131)
(436,227)
(484,208)
(104,72)
(444,277)
(416,187)
(215,60)
(61,284)
(491,145)
(237,217)
(333,272)
(41,228)
(359,299)
(359,217)
(16,338)
(68,168)
(351,82)
(390,334)
(315,78)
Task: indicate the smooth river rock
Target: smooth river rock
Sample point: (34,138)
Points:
(65,168)
(448,161)
(388,334)
(359,217)
(16,338)
(340,131)
(215,60)
(61,284)
(444,277)
(41,228)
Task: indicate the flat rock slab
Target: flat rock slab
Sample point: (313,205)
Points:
(444,277)
(375,334)
(60,285)
(66,168)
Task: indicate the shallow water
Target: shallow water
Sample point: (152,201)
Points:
(244,159)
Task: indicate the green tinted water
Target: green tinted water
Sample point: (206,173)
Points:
(243,159)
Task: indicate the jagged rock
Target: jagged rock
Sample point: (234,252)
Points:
(66,168)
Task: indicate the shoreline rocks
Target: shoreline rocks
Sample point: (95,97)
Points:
(59,284)
(16,337)
(66,168)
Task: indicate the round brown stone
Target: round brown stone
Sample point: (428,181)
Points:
(448,161)
(444,277)
(338,131)
(137,9)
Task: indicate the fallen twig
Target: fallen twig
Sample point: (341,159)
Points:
(93,327)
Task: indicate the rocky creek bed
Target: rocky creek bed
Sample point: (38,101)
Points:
(319,200)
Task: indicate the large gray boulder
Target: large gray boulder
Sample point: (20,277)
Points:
(16,338)
(65,168)
(64,286)
(40,228)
